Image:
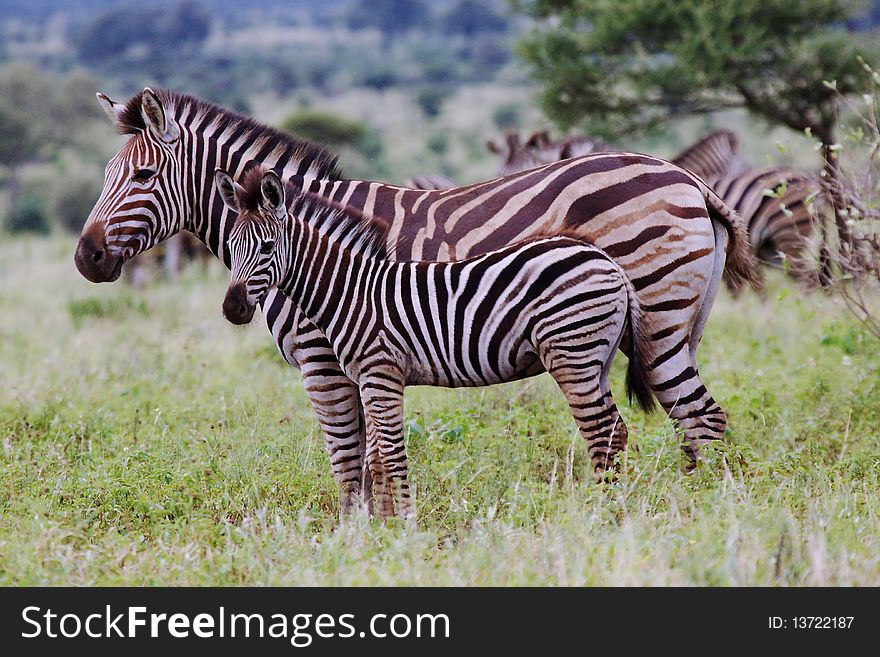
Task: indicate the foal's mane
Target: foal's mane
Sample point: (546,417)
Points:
(197,114)
(344,225)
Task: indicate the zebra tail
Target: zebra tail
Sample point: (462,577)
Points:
(637,370)
(741,267)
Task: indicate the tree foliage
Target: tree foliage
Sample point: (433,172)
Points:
(40,112)
(631,64)
(325,128)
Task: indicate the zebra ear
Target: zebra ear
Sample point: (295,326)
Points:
(535,139)
(112,109)
(493,147)
(273,194)
(155,117)
(228,188)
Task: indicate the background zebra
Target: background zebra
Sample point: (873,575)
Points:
(539,149)
(776,202)
(779,204)
(670,233)
(429,181)
(554,304)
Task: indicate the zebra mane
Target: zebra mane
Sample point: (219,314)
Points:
(720,136)
(345,225)
(313,159)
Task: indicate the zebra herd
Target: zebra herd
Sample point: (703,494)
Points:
(780,205)
(367,287)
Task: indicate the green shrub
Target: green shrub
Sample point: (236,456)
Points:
(430,100)
(325,128)
(438,143)
(506,116)
(28,213)
(72,198)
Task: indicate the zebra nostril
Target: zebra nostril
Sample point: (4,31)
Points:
(242,310)
(98,256)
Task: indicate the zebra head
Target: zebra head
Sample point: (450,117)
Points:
(143,196)
(255,248)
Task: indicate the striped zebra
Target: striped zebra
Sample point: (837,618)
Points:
(429,181)
(552,304)
(540,149)
(518,156)
(715,155)
(779,204)
(670,233)
(775,202)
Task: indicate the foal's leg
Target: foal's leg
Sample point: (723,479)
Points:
(333,395)
(383,499)
(382,395)
(589,396)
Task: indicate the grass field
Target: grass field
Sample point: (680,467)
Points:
(147,441)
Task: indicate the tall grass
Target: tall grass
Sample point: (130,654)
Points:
(146,441)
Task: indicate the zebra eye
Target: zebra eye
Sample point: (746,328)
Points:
(143,175)
(267,246)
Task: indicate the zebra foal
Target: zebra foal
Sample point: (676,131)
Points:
(556,304)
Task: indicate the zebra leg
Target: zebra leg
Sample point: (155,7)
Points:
(382,395)
(383,498)
(337,405)
(589,398)
(332,394)
(677,385)
(674,375)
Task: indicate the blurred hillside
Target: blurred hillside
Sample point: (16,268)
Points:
(398,87)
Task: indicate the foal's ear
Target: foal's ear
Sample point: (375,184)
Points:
(228,188)
(273,194)
(155,117)
(492,147)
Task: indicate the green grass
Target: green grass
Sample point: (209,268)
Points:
(146,441)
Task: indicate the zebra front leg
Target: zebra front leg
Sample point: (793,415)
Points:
(382,499)
(382,395)
(336,403)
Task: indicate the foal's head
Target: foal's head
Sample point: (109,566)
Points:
(257,253)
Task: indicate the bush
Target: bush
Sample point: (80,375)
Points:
(438,143)
(28,213)
(430,100)
(73,196)
(506,116)
(325,128)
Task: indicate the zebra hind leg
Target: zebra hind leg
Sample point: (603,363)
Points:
(678,387)
(595,413)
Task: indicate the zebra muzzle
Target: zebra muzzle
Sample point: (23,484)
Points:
(236,308)
(94,261)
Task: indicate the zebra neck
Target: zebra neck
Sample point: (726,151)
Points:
(210,220)
(326,280)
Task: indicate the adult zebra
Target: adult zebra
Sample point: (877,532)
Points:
(777,203)
(539,149)
(552,303)
(652,217)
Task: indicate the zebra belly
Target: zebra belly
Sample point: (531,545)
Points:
(527,364)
